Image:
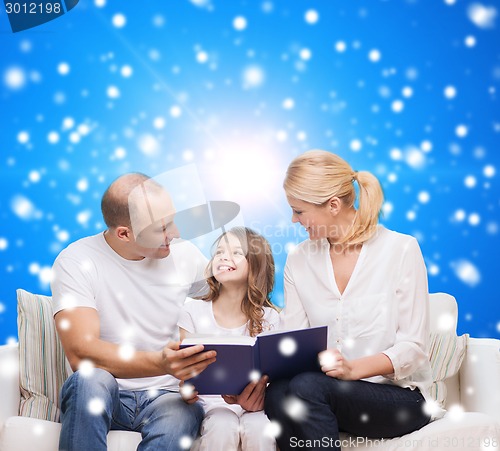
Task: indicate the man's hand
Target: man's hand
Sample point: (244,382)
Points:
(252,397)
(185,363)
(188,393)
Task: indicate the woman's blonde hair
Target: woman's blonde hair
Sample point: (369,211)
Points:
(260,276)
(317,175)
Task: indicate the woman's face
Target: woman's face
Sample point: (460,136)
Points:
(316,219)
(229,263)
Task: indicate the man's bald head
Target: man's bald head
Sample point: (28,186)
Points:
(115,201)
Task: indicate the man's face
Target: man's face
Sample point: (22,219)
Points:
(152,224)
(154,241)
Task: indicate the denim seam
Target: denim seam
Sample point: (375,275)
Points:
(72,426)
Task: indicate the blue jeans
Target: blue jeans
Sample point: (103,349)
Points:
(93,405)
(320,406)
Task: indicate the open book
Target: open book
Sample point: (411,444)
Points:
(241,359)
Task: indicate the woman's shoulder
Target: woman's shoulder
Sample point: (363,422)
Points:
(271,318)
(307,247)
(270,311)
(383,236)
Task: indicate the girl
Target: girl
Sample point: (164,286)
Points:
(241,277)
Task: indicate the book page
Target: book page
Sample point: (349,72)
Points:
(218,340)
(284,331)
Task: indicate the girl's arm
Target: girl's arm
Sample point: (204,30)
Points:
(182,333)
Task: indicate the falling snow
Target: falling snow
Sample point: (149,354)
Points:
(467,272)
(481,15)
(14,78)
(119,20)
(239,23)
(153,89)
(96,406)
(311,16)
(295,408)
(287,346)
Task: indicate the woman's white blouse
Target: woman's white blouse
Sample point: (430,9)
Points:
(383,309)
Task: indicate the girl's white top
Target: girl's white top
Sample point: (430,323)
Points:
(197,317)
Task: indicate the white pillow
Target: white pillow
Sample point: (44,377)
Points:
(43,367)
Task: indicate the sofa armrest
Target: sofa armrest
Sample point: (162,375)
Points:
(10,395)
(480,377)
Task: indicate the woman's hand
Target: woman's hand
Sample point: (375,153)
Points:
(252,396)
(334,364)
(188,392)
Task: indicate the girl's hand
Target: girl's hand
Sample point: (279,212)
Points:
(252,397)
(188,393)
(334,364)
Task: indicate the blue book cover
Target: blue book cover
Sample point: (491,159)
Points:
(279,354)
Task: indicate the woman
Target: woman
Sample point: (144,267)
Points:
(369,285)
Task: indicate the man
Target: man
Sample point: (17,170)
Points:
(116,301)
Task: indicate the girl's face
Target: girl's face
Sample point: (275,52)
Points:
(229,263)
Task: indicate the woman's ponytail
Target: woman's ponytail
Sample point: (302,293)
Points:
(370,199)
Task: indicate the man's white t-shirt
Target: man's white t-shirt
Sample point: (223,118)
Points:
(138,301)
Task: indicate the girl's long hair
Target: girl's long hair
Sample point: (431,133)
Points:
(260,276)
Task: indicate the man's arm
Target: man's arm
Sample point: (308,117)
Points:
(79,331)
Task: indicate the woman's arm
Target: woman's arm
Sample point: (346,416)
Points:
(409,351)
(293,316)
(334,364)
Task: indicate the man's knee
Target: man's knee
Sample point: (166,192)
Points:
(193,413)
(98,382)
(171,409)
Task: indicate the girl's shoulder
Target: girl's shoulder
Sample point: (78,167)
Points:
(196,305)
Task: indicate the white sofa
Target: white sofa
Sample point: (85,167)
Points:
(471,423)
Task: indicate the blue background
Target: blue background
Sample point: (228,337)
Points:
(149,86)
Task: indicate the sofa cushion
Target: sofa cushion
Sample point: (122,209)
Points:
(446,353)
(22,433)
(43,366)
(471,431)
